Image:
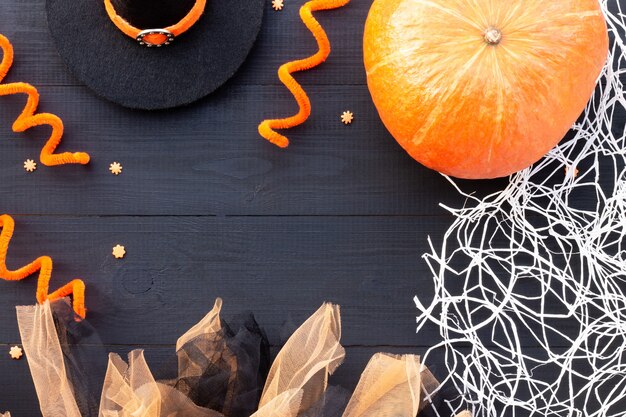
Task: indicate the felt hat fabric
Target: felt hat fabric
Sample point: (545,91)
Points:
(117,68)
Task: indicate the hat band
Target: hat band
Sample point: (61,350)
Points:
(156,37)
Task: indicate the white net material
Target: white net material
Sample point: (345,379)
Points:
(530,282)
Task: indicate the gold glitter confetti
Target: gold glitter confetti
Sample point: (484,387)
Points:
(30,165)
(347,117)
(16,352)
(119,251)
(115,168)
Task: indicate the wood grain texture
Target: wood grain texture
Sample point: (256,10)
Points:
(209,159)
(207,208)
(275,267)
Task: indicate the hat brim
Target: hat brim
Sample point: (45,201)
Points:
(117,68)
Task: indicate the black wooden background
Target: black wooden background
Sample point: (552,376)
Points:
(207,208)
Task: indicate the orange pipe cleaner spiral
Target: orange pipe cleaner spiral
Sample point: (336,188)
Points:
(267,127)
(28,118)
(42,264)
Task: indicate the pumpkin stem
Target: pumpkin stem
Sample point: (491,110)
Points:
(492,36)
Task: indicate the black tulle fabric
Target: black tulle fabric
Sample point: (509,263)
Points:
(233,375)
(84,356)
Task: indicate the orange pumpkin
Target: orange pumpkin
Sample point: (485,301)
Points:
(482,88)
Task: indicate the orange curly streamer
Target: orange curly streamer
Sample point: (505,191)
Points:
(28,118)
(44,266)
(267,127)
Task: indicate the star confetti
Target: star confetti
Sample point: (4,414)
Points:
(16,352)
(116,168)
(347,117)
(119,251)
(30,165)
(277,4)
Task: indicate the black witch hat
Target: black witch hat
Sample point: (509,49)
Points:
(118,68)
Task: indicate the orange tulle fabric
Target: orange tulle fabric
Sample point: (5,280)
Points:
(45,361)
(28,118)
(390,386)
(268,128)
(310,355)
(43,264)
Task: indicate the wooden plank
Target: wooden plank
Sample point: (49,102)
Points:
(206,208)
(209,159)
(283,38)
(275,267)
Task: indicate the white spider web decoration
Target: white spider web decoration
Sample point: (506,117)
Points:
(530,282)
